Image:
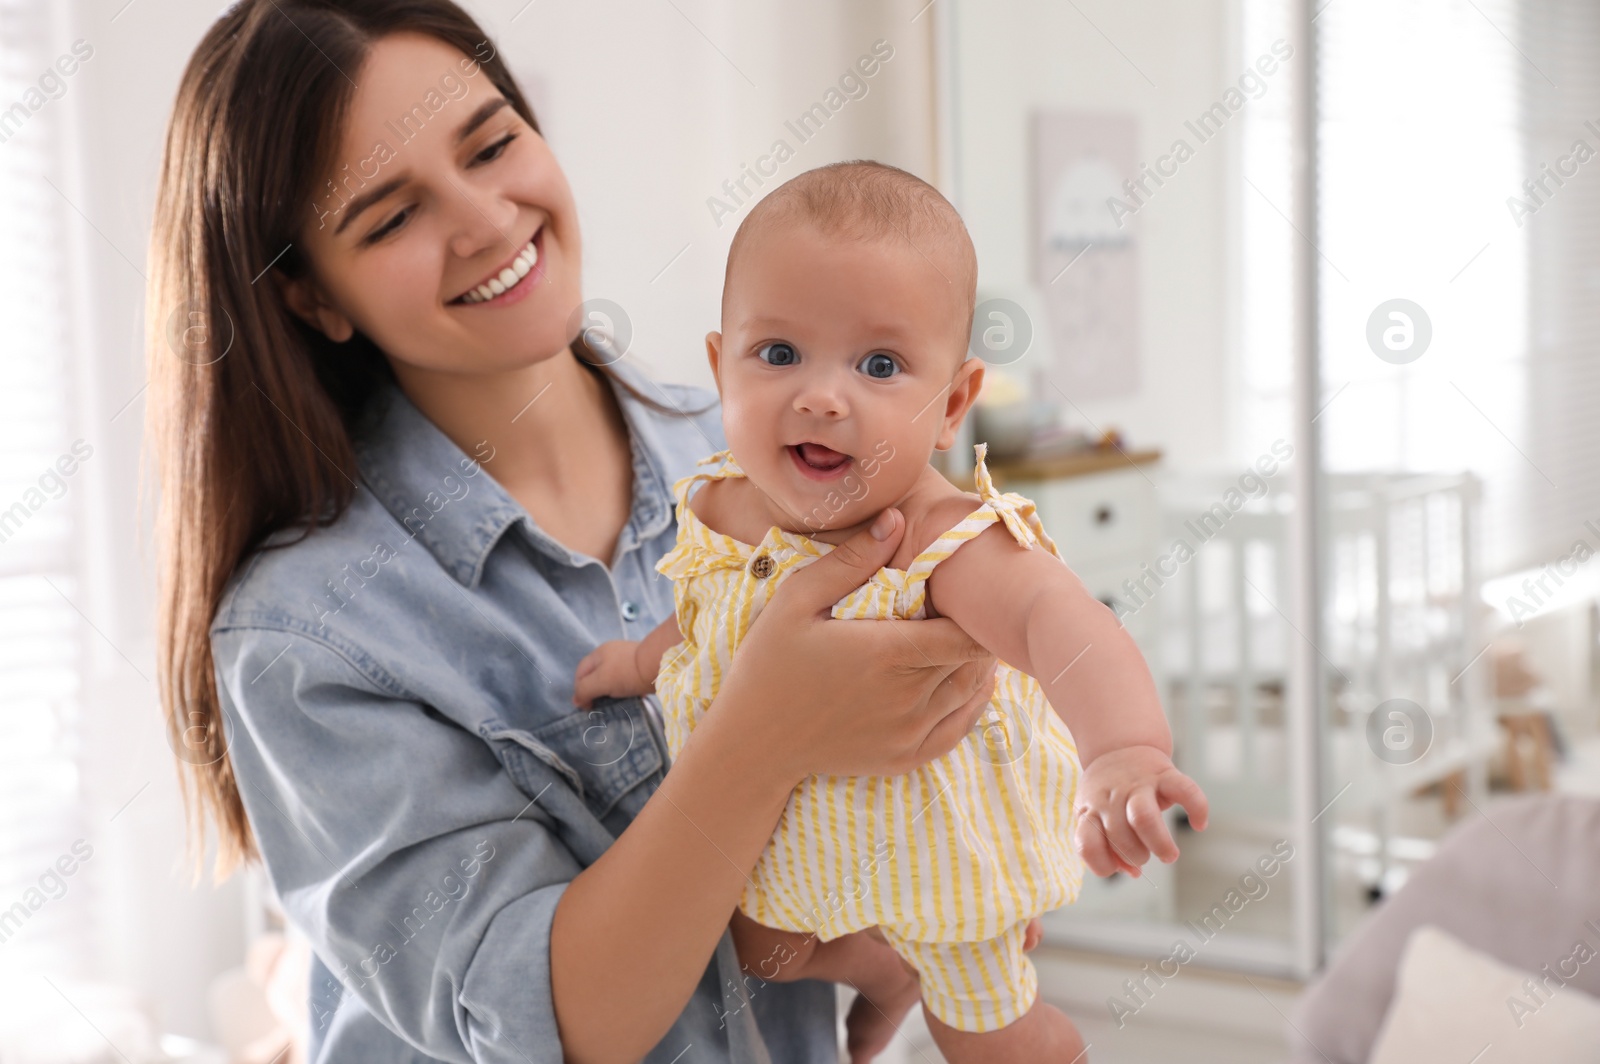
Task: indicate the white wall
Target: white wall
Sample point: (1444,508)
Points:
(157,933)
(1164,63)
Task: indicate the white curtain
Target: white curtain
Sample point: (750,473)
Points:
(46,919)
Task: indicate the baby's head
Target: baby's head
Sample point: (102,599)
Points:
(842,360)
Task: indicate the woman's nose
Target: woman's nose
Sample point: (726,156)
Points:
(481,221)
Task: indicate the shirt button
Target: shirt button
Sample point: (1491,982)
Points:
(762,566)
(630,611)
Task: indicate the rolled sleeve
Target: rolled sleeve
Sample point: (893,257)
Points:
(426,878)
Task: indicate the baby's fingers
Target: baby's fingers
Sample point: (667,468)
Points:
(1174,788)
(1096,848)
(1145,817)
(1124,840)
(590,663)
(587,685)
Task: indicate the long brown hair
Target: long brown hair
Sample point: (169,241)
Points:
(251,411)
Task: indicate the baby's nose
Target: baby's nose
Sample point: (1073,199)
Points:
(822,402)
(823,396)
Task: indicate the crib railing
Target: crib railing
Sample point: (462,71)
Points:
(1402,621)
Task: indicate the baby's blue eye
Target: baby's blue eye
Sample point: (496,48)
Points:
(777,354)
(879,365)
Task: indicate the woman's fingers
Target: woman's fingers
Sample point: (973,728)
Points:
(857,697)
(818,586)
(956,704)
(936,642)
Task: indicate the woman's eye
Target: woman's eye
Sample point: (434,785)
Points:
(388,227)
(778,354)
(493,151)
(879,365)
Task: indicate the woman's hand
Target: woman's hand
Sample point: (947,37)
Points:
(806,695)
(851,698)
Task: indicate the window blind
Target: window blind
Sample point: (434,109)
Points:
(1560,85)
(1432,115)
(45,926)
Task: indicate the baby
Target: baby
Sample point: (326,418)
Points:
(842,366)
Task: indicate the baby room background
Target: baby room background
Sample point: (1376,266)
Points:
(1288,311)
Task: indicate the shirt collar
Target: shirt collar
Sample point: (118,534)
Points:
(443,498)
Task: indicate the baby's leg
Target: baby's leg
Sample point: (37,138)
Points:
(1042,1034)
(981,1002)
(886,986)
(774,955)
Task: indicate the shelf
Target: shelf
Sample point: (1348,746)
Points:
(1061,467)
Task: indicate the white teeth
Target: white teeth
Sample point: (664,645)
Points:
(520,267)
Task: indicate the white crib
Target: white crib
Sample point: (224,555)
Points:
(1402,622)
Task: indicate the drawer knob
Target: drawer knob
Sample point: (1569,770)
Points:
(1103,515)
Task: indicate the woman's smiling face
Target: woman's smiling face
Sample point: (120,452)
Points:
(409,229)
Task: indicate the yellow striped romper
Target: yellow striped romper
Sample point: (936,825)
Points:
(950,860)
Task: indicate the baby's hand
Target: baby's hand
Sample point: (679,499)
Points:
(612,669)
(1120,801)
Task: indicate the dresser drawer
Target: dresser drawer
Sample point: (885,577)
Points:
(1099,520)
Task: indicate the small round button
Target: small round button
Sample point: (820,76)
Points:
(762,566)
(630,611)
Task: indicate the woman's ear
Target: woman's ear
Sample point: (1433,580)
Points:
(714,356)
(964,390)
(306,299)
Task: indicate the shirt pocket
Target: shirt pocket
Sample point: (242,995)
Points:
(605,753)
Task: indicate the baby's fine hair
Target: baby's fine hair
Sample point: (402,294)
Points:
(866,200)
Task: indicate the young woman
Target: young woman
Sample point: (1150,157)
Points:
(401,498)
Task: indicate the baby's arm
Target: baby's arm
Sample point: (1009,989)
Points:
(622,668)
(1032,611)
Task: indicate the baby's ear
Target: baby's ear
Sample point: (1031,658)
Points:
(964,391)
(714,356)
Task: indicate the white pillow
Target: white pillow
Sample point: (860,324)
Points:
(1454,1005)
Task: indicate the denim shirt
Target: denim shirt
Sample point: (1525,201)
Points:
(397,694)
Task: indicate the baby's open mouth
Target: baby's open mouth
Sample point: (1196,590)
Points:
(818,461)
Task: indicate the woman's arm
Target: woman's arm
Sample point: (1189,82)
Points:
(438,893)
(806,695)
(399,843)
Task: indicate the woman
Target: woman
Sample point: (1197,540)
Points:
(399,503)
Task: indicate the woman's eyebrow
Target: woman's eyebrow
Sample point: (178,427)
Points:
(485,111)
(368,198)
